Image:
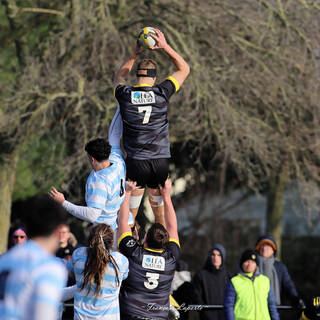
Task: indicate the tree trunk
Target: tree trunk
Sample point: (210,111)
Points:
(7,181)
(275,200)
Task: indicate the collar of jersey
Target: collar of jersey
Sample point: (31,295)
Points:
(142,85)
(154,250)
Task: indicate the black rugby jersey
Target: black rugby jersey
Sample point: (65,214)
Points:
(145,293)
(144,112)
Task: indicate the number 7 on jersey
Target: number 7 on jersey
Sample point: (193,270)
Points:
(147,110)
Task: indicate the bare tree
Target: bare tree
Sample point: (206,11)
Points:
(251,102)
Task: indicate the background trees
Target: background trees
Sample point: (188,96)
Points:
(248,115)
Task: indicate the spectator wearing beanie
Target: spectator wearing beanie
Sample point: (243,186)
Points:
(248,294)
(210,283)
(277,272)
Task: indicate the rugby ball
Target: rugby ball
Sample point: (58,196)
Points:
(145,39)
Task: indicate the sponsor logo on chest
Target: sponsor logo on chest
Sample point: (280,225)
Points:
(142,97)
(153,262)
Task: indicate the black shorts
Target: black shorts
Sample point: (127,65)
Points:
(148,173)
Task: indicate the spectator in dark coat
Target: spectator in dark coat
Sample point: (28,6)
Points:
(277,272)
(210,283)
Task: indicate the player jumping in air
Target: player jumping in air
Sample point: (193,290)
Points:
(144,109)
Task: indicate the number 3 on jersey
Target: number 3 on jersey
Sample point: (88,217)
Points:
(147,110)
(152,280)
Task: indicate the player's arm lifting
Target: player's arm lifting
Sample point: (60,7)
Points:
(89,214)
(115,130)
(183,68)
(169,212)
(127,66)
(123,215)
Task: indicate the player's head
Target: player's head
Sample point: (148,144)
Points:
(157,237)
(98,257)
(43,217)
(147,68)
(99,149)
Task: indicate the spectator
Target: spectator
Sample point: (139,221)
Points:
(210,282)
(182,289)
(66,248)
(19,236)
(277,272)
(99,272)
(31,278)
(312,310)
(145,294)
(65,252)
(248,294)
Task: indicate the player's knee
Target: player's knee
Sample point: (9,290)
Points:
(135,201)
(155,201)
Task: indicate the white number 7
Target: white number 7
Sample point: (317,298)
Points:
(147,110)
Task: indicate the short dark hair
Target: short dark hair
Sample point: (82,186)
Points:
(99,149)
(42,216)
(157,236)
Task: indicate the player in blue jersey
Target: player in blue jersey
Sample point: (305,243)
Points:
(145,293)
(106,182)
(31,278)
(99,272)
(144,110)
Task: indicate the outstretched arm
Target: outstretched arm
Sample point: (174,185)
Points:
(127,66)
(115,129)
(123,215)
(169,212)
(183,68)
(84,213)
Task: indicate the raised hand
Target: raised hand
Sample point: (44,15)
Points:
(166,190)
(161,41)
(56,195)
(138,50)
(130,186)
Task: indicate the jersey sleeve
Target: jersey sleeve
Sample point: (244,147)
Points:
(116,154)
(174,247)
(169,87)
(121,87)
(127,244)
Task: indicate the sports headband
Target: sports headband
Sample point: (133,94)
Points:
(150,73)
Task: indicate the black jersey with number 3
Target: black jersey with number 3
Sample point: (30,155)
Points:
(144,112)
(145,293)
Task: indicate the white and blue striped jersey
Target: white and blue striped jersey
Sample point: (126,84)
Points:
(31,282)
(106,304)
(105,188)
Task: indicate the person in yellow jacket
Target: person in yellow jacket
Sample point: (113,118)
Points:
(248,295)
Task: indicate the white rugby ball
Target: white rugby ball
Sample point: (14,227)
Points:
(145,38)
